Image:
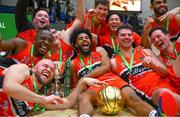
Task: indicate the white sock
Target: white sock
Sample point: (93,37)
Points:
(153,113)
(84,115)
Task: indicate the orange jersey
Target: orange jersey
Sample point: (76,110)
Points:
(67,51)
(174,79)
(13,107)
(173,56)
(99,30)
(28,35)
(82,70)
(173,27)
(137,39)
(143,80)
(106,40)
(112,80)
(25,56)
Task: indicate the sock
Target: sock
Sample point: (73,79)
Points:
(153,113)
(84,115)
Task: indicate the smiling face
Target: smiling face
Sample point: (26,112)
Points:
(44,71)
(41,19)
(114,22)
(102,11)
(43,42)
(83,43)
(125,38)
(159,7)
(54,33)
(160,40)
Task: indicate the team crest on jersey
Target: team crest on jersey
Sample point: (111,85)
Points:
(25,60)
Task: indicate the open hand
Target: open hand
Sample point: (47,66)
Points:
(52,99)
(94,82)
(91,13)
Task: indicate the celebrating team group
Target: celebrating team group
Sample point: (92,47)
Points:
(100,50)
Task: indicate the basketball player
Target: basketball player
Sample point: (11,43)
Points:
(97,65)
(20,89)
(144,72)
(169,51)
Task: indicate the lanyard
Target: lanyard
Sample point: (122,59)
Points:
(36,106)
(31,55)
(167,24)
(115,48)
(90,63)
(175,52)
(93,26)
(129,65)
(60,54)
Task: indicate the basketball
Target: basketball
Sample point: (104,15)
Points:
(109,100)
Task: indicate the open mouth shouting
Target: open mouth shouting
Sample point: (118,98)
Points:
(45,75)
(85,46)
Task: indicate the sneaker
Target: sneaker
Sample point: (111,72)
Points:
(167,105)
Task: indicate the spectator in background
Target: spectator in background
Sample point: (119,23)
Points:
(125,19)
(69,12)
(58,10)
(134,22)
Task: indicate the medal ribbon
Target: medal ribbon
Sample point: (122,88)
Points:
(93,26)
(129,65)
(115,48)
(167,24)
(90,63)
(175,52)
(36,106)
(60,54)
(31,55)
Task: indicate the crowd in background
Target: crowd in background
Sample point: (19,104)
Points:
(63,12)
(60,11)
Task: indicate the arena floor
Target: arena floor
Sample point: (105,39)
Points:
(73,113)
